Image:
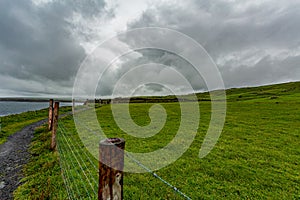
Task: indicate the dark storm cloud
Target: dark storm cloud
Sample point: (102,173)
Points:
(146,58)
(250,41)
(36,44)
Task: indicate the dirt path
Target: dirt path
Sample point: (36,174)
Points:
(13,155)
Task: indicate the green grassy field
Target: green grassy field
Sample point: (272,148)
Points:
(256,157)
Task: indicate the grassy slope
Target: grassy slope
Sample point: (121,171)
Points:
(278,92)
(257,155)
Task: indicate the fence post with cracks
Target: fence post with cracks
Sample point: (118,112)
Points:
(111,164)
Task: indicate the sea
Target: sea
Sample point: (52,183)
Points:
(16,107)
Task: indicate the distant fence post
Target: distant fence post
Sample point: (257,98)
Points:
(73,106)
(50,117)
(111,164)
(54,125)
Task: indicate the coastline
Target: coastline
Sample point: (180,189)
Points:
(18,107)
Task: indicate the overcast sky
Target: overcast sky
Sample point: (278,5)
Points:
(44,42)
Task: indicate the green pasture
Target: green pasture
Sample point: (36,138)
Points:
(256,157)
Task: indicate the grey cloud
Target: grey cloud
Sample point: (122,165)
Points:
(266,71)
(154,87)
(229,29)
(36,42)
(221,29)
(150,57)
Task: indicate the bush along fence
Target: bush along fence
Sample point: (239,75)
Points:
(79,168)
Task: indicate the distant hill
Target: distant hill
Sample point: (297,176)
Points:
(276,92)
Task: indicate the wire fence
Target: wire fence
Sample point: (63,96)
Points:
(80,168)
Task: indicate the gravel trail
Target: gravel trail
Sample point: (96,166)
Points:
(13,155)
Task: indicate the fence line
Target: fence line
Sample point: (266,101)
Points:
(157,176)
(64,172)
(80,167)
(78,146)
(70,176)
(146,168)
(75,161)
(86,190)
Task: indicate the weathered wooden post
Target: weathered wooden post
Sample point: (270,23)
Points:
(50,117)
(73,106)
(111,164)
(54,125)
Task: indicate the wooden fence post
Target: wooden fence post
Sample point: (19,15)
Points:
(54,125)
(73,106)
(111,164)
(50,116)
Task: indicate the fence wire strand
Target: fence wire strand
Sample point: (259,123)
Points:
(64,175)
(66,168)
(80,174)
(80,157)
(80,167)
(63,130)
(94,164)
(157,176)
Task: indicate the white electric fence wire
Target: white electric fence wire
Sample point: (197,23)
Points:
(86,155)
(67,168)
(77,162)
(74,165)
(64,174)
(80,156)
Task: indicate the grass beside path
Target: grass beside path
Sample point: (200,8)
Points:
(13,123)
(43,178)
